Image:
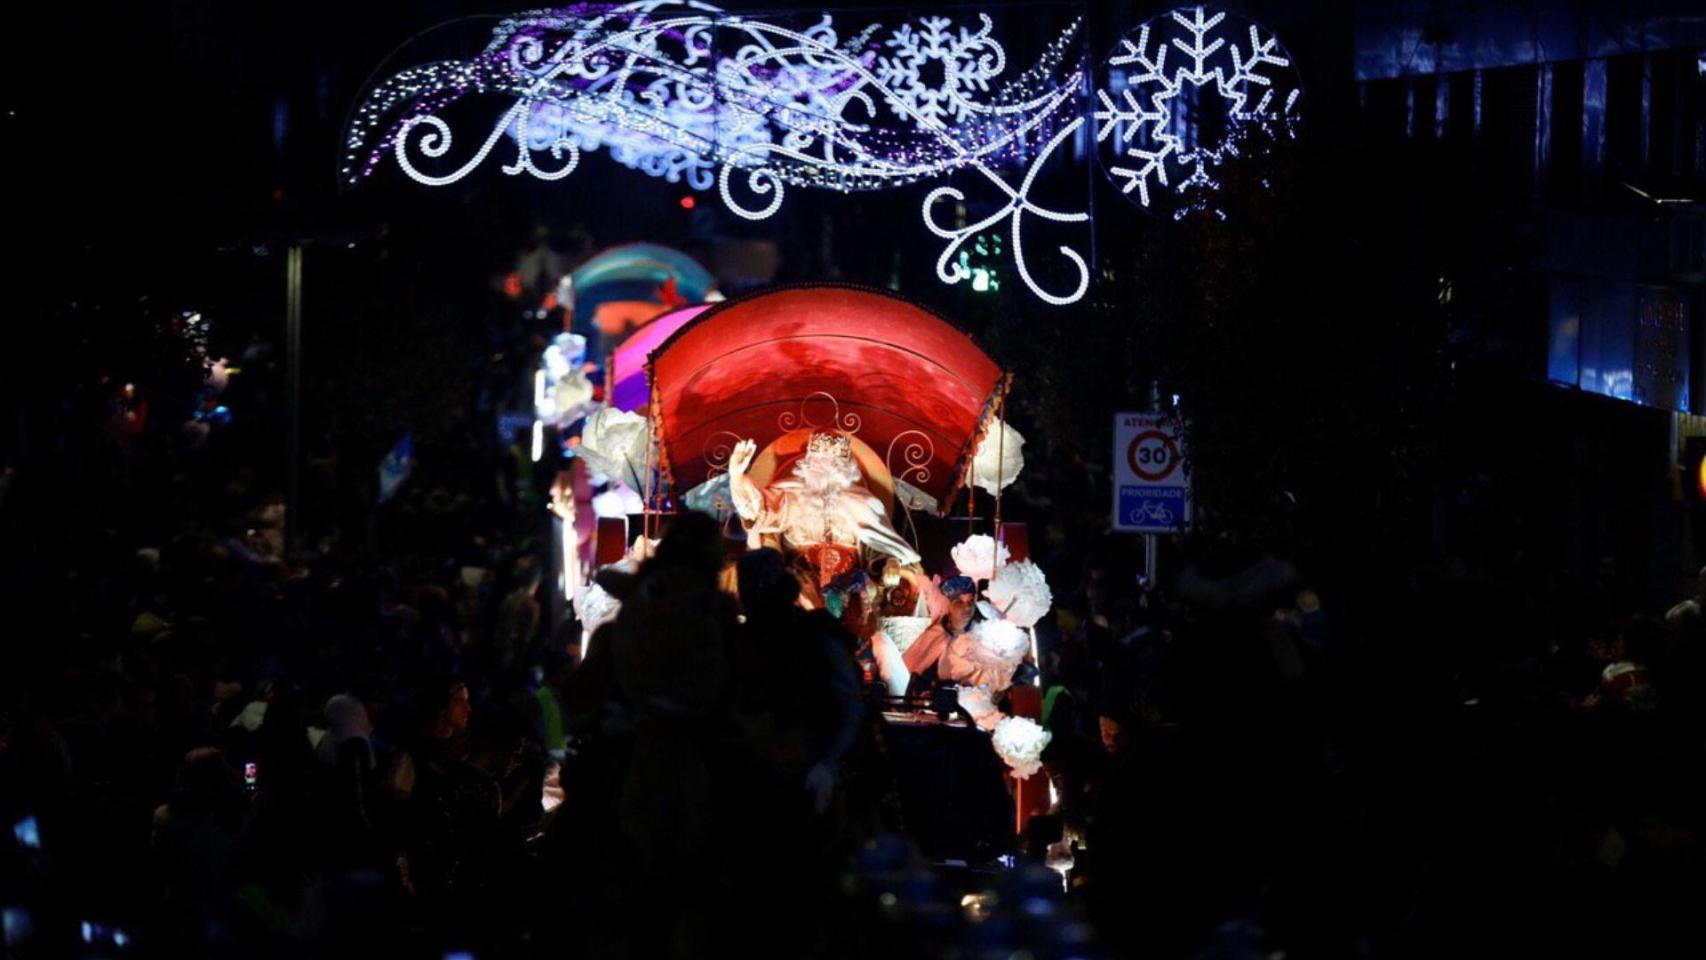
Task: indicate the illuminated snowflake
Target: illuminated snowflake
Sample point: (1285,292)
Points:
(1179,125)
(684,91)
(966,60)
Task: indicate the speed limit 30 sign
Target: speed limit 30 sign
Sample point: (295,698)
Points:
(1152,491)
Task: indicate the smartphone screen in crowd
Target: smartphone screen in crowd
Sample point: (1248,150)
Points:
(251,773)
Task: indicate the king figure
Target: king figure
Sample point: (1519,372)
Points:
(821,511)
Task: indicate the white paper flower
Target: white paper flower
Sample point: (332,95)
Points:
(1020,592)
(1020,742)
(1001,640)
(999,457)
(977,702)
(572,399)
(904,631)
(978,556)
(615,443)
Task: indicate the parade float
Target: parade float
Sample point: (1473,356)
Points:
(615,295)
(841,425)
(621,289)
(612,296)
(832,422)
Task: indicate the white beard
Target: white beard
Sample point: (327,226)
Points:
(824,500)
(826,476)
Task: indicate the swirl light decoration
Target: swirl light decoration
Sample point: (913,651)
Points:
(690,93)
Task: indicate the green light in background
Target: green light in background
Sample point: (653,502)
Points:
(979,260)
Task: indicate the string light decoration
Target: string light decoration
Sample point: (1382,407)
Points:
(1169,122)
(689,93)
(969,61)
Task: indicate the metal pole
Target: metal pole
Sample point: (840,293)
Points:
(1150,544)
(1152,541)
(293,391)
(1000,462)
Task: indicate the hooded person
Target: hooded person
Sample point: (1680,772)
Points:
(346,780)
(346,722)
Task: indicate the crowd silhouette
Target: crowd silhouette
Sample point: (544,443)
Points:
(213,746)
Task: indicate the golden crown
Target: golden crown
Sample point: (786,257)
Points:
(830,443)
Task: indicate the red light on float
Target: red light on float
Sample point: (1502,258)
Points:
(689,202)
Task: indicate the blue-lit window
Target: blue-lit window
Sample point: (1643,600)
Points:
(1618,339)
(1608,338)
(1564,329)
(1661,349)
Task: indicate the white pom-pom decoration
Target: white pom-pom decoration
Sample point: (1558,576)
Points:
(1020,742)
(618,501)
(1020,592)
(571,399)
(999,457)
(615,443)
(978,556)
(1001,640)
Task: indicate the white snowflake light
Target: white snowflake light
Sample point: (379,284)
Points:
(968,62)
(1169,121)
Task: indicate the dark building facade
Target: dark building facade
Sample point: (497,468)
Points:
(1560,154)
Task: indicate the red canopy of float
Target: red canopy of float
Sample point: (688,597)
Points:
(903,380)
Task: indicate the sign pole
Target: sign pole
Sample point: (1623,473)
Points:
(1150,549)
(1151,484)
(1150,543)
